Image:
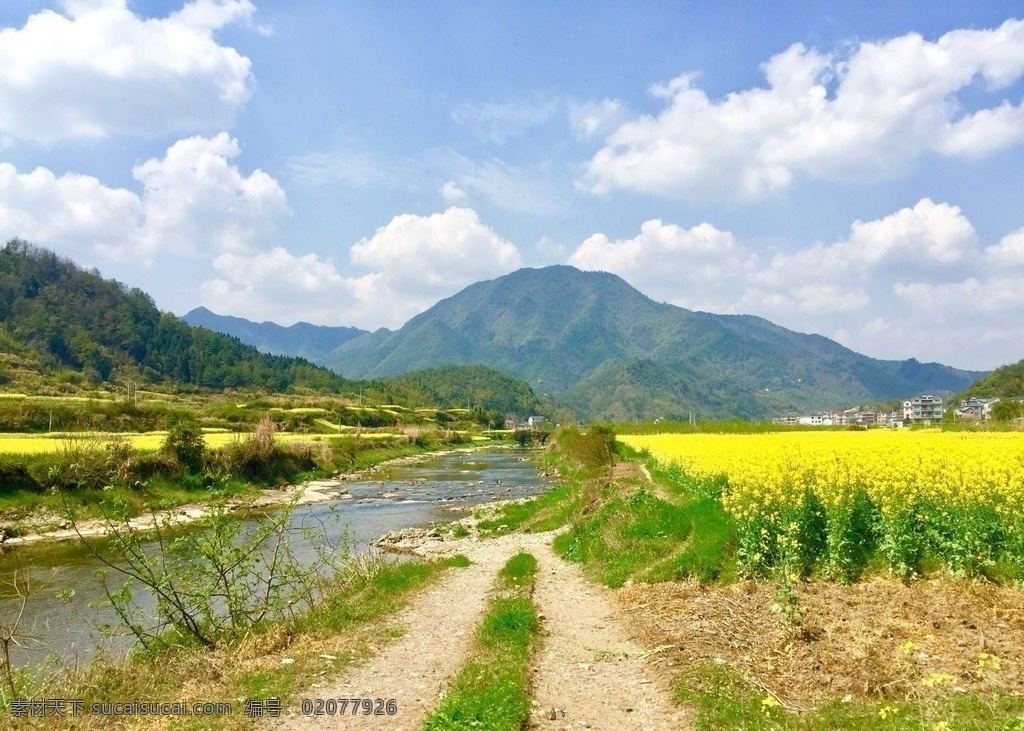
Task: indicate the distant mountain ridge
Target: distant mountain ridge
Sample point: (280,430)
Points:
(313,342)
(608,351)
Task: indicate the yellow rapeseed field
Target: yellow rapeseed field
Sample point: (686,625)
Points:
(25,444)
(830,499)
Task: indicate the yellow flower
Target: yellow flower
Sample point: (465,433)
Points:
(985,660)
(886,711)
(936,679)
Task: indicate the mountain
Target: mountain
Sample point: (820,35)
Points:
(313,342)
(608,351)
(56,317)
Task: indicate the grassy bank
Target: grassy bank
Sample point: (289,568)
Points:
(491,690)
(278,661)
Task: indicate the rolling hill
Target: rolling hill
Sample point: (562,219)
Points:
(56,317)
(608,351)
(1006,382)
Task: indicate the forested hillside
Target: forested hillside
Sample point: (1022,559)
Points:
(1004,382)
(475,387)
(61,322)
(63,318)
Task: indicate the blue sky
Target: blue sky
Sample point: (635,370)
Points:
(850,170)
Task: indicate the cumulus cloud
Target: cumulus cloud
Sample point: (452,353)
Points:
(927,237)
(692,267)
(1009,252)
(278,285)
(411,263)
(194,200)
(99,69)
(428,257)
(864,116)
(914,283)
(70,213)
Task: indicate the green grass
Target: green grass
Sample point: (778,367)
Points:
(725,702)
(491,690)
(644,537)
(372,592)
(549,511)
(627,535)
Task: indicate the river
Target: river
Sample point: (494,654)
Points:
(403,495)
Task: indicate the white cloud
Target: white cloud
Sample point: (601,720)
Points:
(1009,252)
(431,256)
(99,69)
(927,233)
(913,283)
(70,213)
(197,201)
(413,261)
(928,236)
(867,116)
(278,285)
(452,193)
(193,201)
(695,268)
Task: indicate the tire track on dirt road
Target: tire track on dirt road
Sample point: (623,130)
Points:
(588,673)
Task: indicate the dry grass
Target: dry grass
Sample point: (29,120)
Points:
(877,639)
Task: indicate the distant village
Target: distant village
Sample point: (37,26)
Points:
(921,410)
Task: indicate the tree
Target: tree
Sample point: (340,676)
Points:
(21,587)
(1007,410)
(218,580)
(185,443)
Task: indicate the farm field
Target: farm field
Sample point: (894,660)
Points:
(835,503)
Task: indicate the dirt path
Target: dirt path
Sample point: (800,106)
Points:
(587,673)
(415,669)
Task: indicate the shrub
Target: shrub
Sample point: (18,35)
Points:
(186,444)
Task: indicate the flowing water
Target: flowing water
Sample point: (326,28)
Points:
(398,496)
